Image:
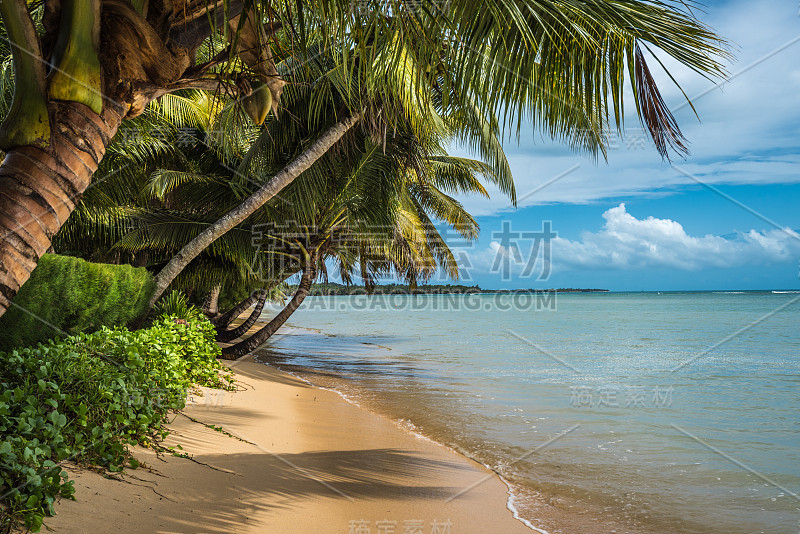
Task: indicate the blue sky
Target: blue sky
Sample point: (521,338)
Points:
(636,222)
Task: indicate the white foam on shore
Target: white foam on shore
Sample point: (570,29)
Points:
(514,512)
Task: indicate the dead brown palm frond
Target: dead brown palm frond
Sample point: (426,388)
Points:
(654,113)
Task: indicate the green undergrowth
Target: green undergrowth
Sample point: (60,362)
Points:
(87,398)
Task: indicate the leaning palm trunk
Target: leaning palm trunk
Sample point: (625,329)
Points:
(260,337)
(221,322)
(192,249)
(39,188)
(229,335)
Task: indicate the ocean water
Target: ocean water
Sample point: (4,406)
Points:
(604,412)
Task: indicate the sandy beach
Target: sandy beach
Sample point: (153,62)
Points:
(289,457)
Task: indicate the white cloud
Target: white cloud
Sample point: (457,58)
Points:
(626,242)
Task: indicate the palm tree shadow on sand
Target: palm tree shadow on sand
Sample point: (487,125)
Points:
(264,482)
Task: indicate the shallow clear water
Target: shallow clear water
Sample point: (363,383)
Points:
(673,412)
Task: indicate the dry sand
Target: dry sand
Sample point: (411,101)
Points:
(307,461)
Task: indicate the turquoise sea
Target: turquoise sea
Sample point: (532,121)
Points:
(626,412)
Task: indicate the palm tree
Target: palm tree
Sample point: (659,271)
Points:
(561,64)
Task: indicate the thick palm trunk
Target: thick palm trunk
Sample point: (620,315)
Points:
(260,337)
(250,205)
(229,335)
(39,188)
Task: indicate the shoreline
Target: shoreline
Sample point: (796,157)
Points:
(284,455)
(539,512)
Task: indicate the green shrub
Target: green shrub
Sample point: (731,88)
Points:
(192,341)
(86,398)
(71,295)
(176,303)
